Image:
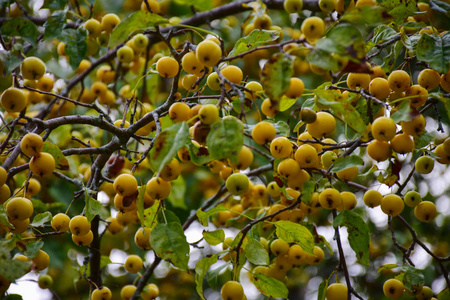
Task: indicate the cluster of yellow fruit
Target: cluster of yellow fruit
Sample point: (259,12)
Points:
(394,289)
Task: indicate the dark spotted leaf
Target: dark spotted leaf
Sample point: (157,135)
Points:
(254,39)
(269,286)
(276,74)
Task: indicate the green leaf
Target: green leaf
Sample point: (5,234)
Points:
(345,162)
(76,47)
(201,269)
(212,276)
(386,267)
(444,294)
(342,108)
(225,139)
(389,61)
(322,59)
(281,127)
(214,237)
(169,242)
(367,15)
(10,61)
(33,248)
(55,24)
(276,74)
(4,217)
(204,215)
(177,192)
(308,189)
(435,50)
(322,291)
(403,113)
(410,43)
(146,216)
(269,286)
(13,297)
(400,9)
(440,6)
(286,103)
(61,161)
(22,28)
(255,39)
(55,4)
(295,233)
(93,207)
(343,40)
(256,253)
(200,5)
(384,33)
(424,140)
(11,269)
(140,20)
(167,144)
(412,277)
(61,136)
(358,234)
(198,155)
(41,219)
(167,216)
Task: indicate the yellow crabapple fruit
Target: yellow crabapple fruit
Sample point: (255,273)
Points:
(279,247)
(19,208)
(40,261)
(142,238)
(125,185)
(443,156)
(83,240)
(323,126)
(32,68)
(425,211)
(191,65)
(102,293)
(379,88)
(109,22)
(13,100)
(313,28)
(315,259)
(393,288)
(208,114)
(384,129)
(255,88)
(5,193)
(372,198)
(3,176)
(420,93)
(270,108)
(213,81)
(232,290)
(327,5)
(296,88)
(281,147)
(402,143)
(348,174)
(237,183)
(330,198)
(151,292)
(379,150)
(308,115)
(273,189)
(307,157)
(31,144)
(125,54)
(288,168)
(45,281)
(167,67)
(399,81)
(412,198)
(263,132)
(60,222)
(415,127)
(179,112)
(424,165)
(233,74)
(157,188)
(293,6)
(392,205)
(20,226)
(171,171)
(133,263)
(245,159)
(337,291)
(208,53)
(429,79)
(79,225)
(358,80)
(127,291)
(93,28)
